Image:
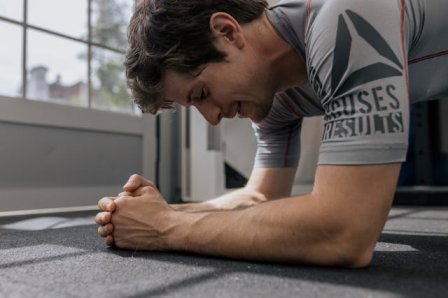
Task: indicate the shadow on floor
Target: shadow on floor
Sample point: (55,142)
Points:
(410,273)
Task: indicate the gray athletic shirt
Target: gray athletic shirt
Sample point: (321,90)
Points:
(366,62)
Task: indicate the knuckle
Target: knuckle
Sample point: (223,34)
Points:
(109,228)
(103,202)
(109,240)
(148,188)
(98,218)
(135,176)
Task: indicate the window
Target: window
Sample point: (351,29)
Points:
(12,9)
(68,17)
(109,90)
(56,71)
(10,60)
(109,22)
(70,58)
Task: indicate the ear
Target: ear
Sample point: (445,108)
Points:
(225,28)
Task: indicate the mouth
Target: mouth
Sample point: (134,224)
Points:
(240,112)
(237,110)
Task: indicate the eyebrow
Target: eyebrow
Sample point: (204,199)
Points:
(190,92)
(197,73)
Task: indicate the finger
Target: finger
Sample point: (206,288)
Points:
(109,240)
(105,230)
(125,194)
(107,204)
(133,183)
(136,181)
(143,190)
(103,218)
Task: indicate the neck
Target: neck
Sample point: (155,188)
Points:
(286,67)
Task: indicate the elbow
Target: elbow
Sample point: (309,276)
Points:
(355,248)
(357,257)
(341,246)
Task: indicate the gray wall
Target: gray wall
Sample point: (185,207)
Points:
(39,156)
(54,156)
(50,167)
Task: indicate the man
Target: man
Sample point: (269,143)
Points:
(358,63)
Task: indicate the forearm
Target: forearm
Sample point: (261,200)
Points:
(338,224)
(285,230)
(236,200)
(264,184)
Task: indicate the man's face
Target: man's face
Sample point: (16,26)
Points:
(235,87)
(242,85)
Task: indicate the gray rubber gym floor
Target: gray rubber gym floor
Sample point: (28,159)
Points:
(61,256)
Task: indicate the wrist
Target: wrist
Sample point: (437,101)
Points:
(177,236)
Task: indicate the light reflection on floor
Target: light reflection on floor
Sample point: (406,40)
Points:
(45,223)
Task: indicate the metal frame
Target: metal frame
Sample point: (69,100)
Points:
(424,192)
(422,145)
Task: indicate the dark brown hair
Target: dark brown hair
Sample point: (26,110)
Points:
(175,34)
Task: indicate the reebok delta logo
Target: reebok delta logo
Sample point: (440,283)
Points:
(342,53)
(368,111)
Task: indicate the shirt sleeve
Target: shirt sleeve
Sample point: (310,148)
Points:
(356,61)
(278,137)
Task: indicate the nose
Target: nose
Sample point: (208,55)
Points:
(210,112)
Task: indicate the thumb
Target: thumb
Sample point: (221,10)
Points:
(134,182)
(145,190)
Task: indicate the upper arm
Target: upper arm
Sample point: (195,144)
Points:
(357,64)
(272,182)
(356,59)
(357,199)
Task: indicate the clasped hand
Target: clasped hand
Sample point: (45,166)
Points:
(138,218)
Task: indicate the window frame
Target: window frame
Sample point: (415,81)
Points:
(90,45)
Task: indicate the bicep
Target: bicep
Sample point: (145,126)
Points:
(272,182)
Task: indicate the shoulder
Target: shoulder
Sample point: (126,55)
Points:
(343,34)
(356,63)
